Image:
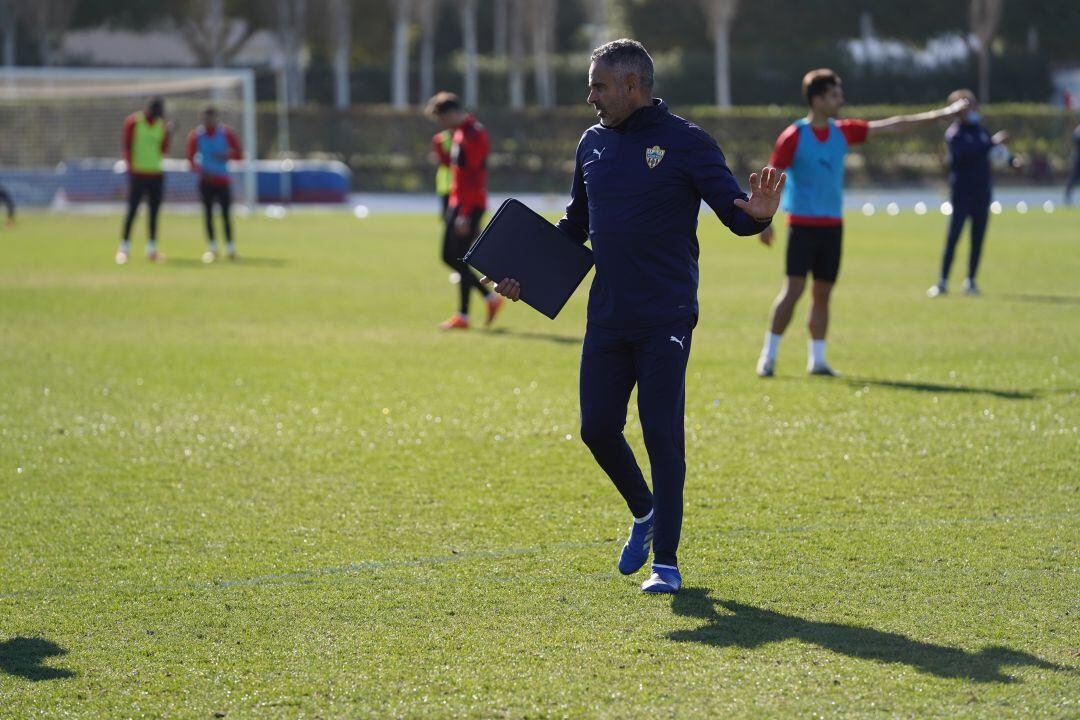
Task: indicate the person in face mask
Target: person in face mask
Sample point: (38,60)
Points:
(970,147)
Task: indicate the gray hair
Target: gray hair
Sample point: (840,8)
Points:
(627,56)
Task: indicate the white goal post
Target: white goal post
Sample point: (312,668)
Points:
(61,127)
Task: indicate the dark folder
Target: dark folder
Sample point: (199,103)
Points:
(520,244)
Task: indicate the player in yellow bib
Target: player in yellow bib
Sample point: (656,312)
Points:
(146,141)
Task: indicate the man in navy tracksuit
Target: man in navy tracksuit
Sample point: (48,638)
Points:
(639,180)
(970,145)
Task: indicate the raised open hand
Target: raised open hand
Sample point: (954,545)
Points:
(765,192)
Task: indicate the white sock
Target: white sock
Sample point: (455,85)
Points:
(230,246)
(125,246)
(644,519)
(943,283)
(772,345)
(817,352)
(151,247)
(213,246)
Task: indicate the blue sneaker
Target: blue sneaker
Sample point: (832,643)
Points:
(665,579)
(636,550)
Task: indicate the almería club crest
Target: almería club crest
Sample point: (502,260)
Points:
(654,155)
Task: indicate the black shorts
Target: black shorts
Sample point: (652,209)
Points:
(213,193)
(814,250)
(150,186)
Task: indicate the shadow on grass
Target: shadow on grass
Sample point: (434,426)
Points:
(1046,299)
(938,388)
(22,657)
(548,337)
(732,624)
(244,261)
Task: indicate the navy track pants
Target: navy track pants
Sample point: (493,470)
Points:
(978,211)
(654,359)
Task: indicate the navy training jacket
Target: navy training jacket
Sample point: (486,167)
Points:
(636,196)
(969,161)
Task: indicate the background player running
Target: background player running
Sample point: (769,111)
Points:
(468,200)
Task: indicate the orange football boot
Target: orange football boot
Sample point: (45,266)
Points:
(456,322)
(494,304)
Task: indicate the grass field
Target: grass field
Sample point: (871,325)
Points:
(273,489)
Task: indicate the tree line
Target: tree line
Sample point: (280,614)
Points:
(524,44)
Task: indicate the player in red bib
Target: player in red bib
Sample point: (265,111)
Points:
(812,152)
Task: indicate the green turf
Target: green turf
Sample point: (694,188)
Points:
(273,489)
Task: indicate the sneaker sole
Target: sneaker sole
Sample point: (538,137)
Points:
(659,589)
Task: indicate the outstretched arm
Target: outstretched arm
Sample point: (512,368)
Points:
(714,182)
(902,123)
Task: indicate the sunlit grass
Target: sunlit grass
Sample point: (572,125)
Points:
(273,488)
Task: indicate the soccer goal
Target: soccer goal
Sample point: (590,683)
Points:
(61,129)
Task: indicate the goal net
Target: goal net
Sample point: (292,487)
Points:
(61,129)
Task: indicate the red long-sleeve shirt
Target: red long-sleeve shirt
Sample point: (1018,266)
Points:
(468,154)
(129,135)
